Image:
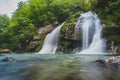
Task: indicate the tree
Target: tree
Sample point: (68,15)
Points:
(21,28)
(4,22)
(4,35)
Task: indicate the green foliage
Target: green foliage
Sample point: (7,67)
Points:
(73,18)
(108,10)
(39,12)
(112,34)
(115,38)
(65,43)
(21,31)
(107,31)
(114,9)
(4,35)
(4,22)
(43,12)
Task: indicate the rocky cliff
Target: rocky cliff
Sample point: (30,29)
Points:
(68,42)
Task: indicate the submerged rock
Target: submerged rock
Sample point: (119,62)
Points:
(8,59)
(100,63)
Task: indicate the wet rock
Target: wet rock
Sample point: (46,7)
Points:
(46,29)
(8,59)
(33,45)
(100,63)
(117,49)
(112,63)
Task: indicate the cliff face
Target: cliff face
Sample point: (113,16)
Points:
(68,43)
(37,41)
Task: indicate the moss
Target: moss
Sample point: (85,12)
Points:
(41,42)
(108,31)
(73,18)
(66,43)
(67,30)
(67,38)
(112,33)
(115,38)
(69,26)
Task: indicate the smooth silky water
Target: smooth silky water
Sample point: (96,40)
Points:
(54,67)
(51,41)
(91,30)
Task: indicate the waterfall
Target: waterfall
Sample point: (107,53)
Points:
(90,27)
(51,41)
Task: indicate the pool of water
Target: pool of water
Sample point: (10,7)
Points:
(54,67)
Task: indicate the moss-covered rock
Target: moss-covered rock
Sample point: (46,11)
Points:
(68,39)
(40,44)
(112,34)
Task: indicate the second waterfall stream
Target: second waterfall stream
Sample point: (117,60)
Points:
(91,29)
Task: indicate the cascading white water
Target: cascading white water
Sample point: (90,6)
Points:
(90,27)
(51,41)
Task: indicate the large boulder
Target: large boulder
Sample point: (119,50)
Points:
(8,51)
(45,30)
(112,63)
(33,45)
(8,59)
(37,42)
